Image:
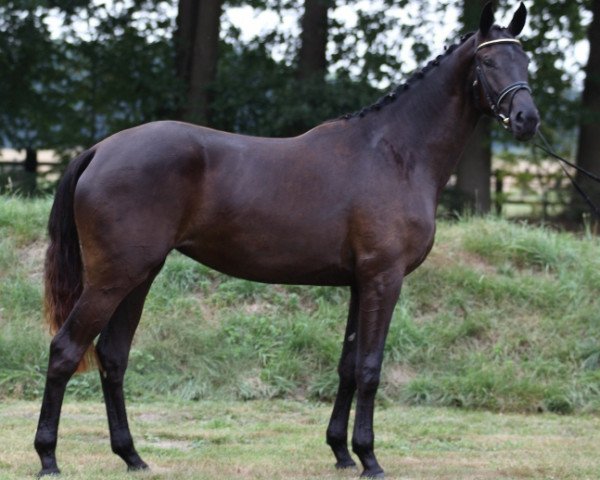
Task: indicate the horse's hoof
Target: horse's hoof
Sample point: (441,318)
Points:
(137,467)
(345,465)
(46,472)
(373,474)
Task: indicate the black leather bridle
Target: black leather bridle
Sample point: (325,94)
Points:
(493,99)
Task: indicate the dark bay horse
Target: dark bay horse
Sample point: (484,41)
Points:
(351,202)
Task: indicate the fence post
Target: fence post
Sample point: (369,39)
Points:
(30,177)
(499,196)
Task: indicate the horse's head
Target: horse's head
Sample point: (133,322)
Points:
(501,87)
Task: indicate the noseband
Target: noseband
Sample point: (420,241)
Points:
(495,100)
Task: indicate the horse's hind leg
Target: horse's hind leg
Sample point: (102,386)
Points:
(337,432)
(89,316)
(113,352)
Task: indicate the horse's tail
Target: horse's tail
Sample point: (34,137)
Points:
(63,270)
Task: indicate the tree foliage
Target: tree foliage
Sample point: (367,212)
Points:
(101,73)
(113,64)
(31,83)
(555,27)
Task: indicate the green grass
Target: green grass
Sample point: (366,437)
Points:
(282,439)
(501,316)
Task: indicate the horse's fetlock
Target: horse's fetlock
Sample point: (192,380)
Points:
(45,442)
(363,445)
(122,444)
(335,438)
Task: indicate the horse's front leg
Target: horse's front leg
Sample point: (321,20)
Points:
(378,295)
(337,432)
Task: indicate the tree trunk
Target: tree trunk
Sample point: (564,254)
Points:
(588,149)
(198,26)
(29,185)
(475,167)
(184,37)
(312,59)
(474,171)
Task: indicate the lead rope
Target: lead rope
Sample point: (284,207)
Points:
(548,149)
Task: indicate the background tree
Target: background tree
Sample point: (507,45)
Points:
(588,148)
(31,84)
(100,72)
(312,57)
(554,27)
(475,167)
(274,98)
(119,75)
(116,64)
(197,42)
(312,63)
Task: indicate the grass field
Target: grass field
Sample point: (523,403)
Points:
(233,379)
(501,316)
(279,439)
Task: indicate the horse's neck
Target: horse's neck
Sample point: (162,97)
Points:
(435,119)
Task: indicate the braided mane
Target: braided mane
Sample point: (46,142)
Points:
(397,91)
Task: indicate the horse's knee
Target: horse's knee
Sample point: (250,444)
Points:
(347,375)
(347,366)
(368,376)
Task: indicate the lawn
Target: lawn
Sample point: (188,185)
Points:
(283,439)
(234,379)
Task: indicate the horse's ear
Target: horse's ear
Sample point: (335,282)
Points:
(487,18)
(518,21)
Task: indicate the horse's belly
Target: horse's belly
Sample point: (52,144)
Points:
(272,258)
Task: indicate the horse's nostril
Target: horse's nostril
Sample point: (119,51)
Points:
(525,119)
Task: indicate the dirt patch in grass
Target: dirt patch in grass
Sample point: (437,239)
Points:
(399,375)
(31,257)
(448,256)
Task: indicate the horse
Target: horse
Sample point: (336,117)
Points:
(351,202)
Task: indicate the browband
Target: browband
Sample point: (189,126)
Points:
(494,42)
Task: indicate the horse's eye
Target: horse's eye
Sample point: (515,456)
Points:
(489,62)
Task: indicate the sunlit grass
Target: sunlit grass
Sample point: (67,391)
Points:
(285,440)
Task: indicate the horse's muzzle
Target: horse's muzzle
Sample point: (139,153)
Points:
(524,123)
